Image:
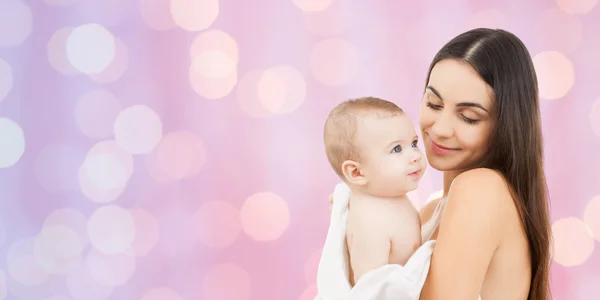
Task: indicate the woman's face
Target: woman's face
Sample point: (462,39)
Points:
(456,116)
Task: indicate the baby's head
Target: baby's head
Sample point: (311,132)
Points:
(372,145)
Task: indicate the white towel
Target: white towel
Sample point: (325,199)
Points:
(385,283)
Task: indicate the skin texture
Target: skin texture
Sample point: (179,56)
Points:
(383,226)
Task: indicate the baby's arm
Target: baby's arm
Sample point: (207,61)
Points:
(370,246)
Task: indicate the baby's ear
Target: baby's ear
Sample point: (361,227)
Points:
(352,173)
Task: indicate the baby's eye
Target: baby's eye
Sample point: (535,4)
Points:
(414,143)
(397,149)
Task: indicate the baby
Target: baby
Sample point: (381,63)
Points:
(372,145)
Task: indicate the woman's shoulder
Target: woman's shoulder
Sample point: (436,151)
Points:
(481,190)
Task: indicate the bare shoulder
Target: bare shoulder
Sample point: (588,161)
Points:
(482,191)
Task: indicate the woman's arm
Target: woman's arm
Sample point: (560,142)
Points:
(470,232)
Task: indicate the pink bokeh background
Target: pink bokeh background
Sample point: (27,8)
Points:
(172,149)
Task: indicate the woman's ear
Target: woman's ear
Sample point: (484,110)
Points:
(353,174)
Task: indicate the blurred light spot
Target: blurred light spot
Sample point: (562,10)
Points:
(212,88)
(559,31)
(156,14)
(214,40)
(577,6)
(595,117)
(176,229)
(55,165)
(329,22)
(96,112)
(3,285)
(264,216)
(57,297)
(181,154)
(6,79)
(247,95)
(3,232)
(334,62)
(117,67)
(311,266)
(90,48)
(82,286)
(111,229)
(281,89)
(22,265)
(154,169)
(309,293)
(591,216)
(105,172)
(70,218)
(110,270)
(555,74)
(194,15)
(217,224)
(138,129)
(220,279)
(12,143)
(146,231)
(488,18)
(161,293)
(573,242)
(57,52)
(213,64)
(60,2)
(58,249)
(313,5)
(16,22)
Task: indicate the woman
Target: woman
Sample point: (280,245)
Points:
(480,123)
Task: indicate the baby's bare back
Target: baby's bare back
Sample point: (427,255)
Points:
(380,233)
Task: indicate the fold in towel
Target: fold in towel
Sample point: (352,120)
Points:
(389,282)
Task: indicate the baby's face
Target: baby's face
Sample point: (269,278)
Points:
(390,158)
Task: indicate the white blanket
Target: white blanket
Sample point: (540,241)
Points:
(386,283)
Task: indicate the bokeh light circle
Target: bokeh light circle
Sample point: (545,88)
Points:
(591,216)
(156,14)
(161,293)
(577,6)
(217,224)
(83,286)
(181,154)
(573,242)
(247,95)
(215,39)
(71,218)
(57,52)
(332,21)
(58,249)
(6,79)
(281,89)
(22,265)
(264,216)
(12,143)
(213,64)
(110,270)
(116,69)
(111,229)
(313,5)
(212,88)
(91,48)
(106,171)
(309,293)
(146,232)
(96,112)
(16,22)
(138,129)
(595,117)
(555,74)
(194,15)
(219,280)
(334,62)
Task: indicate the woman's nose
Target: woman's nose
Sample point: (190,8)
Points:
(442,127)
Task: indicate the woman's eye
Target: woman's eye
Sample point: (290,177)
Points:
(434,106)
(397,149)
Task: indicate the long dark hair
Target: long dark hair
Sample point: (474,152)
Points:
(516,145)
